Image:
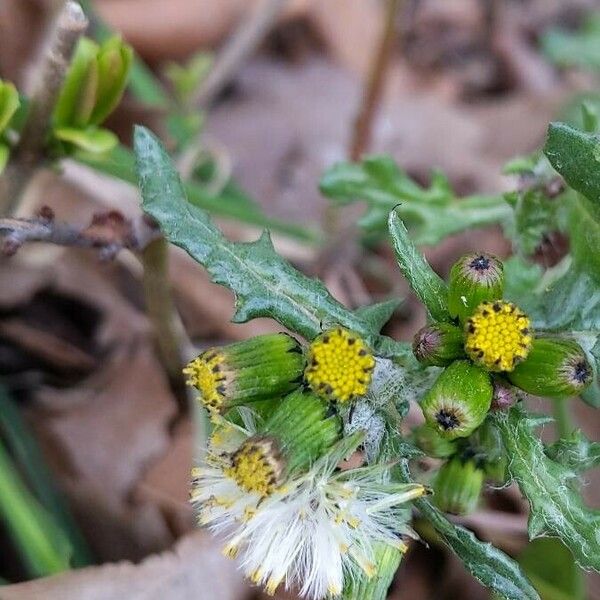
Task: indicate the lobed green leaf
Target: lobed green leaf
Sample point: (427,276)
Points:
(431,214)
(426,283)
(556,509)
(265,285)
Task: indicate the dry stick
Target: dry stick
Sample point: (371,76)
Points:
(363,125)
(341,252)
(109,233)
(242,43)
(68,27)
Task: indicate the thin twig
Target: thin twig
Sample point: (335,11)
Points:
(108,232)
(341,251)
(245,39)
(363,125)
(68,27)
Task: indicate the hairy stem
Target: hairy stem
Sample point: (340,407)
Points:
(562,417)
(66,30)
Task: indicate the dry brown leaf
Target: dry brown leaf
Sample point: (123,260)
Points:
(194,569)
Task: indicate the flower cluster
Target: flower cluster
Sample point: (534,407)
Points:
(490,355)
(269,485)
(488,347)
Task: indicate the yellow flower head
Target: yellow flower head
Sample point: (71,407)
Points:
(498,336)
(257,466)
(206,373)
(340,365)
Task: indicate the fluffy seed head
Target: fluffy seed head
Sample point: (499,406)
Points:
(498,336)
(256,466)
(340,365)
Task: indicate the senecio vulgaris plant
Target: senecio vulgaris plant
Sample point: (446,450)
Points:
(286,409)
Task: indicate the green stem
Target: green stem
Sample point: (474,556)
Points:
(162,315)
(562,417)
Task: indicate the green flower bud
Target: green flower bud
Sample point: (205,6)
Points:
(267,366)
(114,62)
(432,443)
(387,560)
(459,400)
(475,278)
(298,432)
(457,487)
(304,427)
(555,367)
(486,446)
(438,344)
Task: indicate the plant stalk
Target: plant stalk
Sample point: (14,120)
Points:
(562,418)
(163,317)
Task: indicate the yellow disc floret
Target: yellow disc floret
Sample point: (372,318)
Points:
(498,336)
(256,466)
(340,365)
(206,374)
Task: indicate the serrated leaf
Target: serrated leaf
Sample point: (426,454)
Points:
(578,454)
(425,282)
(431,214)
(556,509)
(490,566)
(265,285)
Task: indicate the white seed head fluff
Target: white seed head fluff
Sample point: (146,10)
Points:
(314,532)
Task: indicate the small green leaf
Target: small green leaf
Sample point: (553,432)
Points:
(427,285)
(95,140)
(377,315)
(550,567)
(576,156)
(265,285)
(9,103)
(490,566)
(114,64)
(556,508)
(576,453)
(78,94)
(430,214)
